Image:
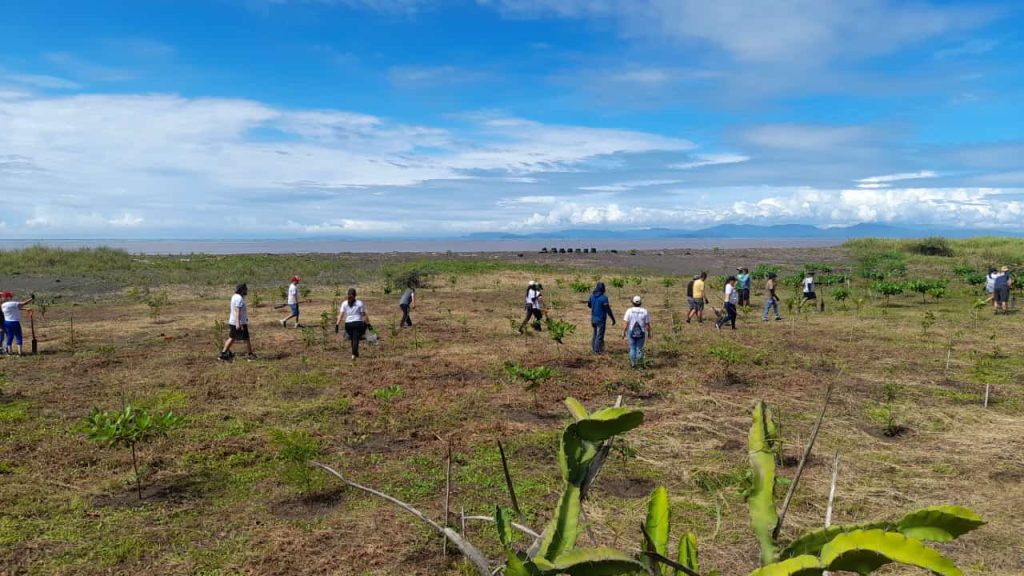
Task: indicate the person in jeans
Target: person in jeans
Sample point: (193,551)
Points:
(293,303)
(771,299)
(638,329)
(600,312)
(353,313)
(238,324)
(534,305)
(731,298)
(407,301)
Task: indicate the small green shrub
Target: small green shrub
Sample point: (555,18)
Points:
(558,330)
(932,246)
(128,428)
(618,282)
(295,449)
(580,287)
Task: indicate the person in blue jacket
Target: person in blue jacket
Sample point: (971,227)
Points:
(600,312)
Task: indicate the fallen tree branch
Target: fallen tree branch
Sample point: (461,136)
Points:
(471,553)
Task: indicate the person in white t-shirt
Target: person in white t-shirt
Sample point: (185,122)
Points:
(534,305)
(238,324)
(730,300)
(12,320)
(293,302)
(808,284)
(353,314)
(637,327)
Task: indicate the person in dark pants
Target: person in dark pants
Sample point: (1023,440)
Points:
(353,313)
(731,298)
(534,305)
(600,312)
(408,301)
(238,324)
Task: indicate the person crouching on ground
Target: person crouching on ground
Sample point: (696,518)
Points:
(534,305)
(638,329)
(293,302)
(600,312)
(407,302)
(12,320)
(353,313)
(731,298)
(238,324)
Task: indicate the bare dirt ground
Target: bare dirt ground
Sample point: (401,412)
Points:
(218,499)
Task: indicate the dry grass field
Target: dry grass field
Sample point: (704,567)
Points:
(221,498)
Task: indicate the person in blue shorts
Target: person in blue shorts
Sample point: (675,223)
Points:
(12,320)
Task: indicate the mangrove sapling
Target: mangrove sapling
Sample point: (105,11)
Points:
(385,397)
(127,428)
(533,378)
(558,330)
(295,449)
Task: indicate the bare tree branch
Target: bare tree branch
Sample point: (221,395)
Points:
(524,529)
(471,553)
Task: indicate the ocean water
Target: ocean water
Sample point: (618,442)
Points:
(302,246)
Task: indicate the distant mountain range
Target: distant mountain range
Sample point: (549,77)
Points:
(747,231)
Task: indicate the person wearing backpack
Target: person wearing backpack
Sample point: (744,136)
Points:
(600,312)
(638,330)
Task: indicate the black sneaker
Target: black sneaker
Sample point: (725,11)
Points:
(226,356)
(251,356)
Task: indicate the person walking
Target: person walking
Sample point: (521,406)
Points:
(771,299)
(407,302)
(600,312)
(293,302)
(690,305)
(638,329)
(743,283)
(12,320)
(731,298)
(534,305)
(808,283)
(353,313)
(990,284)
(238,325)
(699,298)
(1001,290)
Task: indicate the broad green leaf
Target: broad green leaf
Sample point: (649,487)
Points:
(575,408)
(608,422)
(797,566)
(763,516)
(564,527)
(657,524)
(687,554)
(504,524)
(811,542)
(575,455)
(864,551)
(592,562)
(939,523)
(516,567)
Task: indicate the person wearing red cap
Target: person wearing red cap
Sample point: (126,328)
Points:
(293,302)
(12,319)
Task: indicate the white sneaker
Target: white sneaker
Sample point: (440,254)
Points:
(284,323)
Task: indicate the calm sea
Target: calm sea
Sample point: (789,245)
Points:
(301,246)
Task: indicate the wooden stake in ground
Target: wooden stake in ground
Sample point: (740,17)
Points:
(803,462)
(831,497)
(987,388)
(32,325)
(447,494)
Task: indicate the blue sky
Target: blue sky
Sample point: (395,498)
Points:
(389,118)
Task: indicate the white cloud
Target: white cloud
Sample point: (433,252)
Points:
(700,160)
(804,137)
(875,182)
(126,220)
(43,81)
(631,185)
(757,31)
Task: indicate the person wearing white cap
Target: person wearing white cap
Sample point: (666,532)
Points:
(1001,291)
(637,327)
(534,305)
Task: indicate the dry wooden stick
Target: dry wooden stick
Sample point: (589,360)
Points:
(803,461)
(832,490)
(471,553)
(447,494)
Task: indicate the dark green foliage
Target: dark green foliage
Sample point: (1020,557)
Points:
(841,293)
(294,451)
(127,428)
(559,329)
(763,270)
(618,282)
(882,265)
(831,279)
(932,246)
(580,287)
